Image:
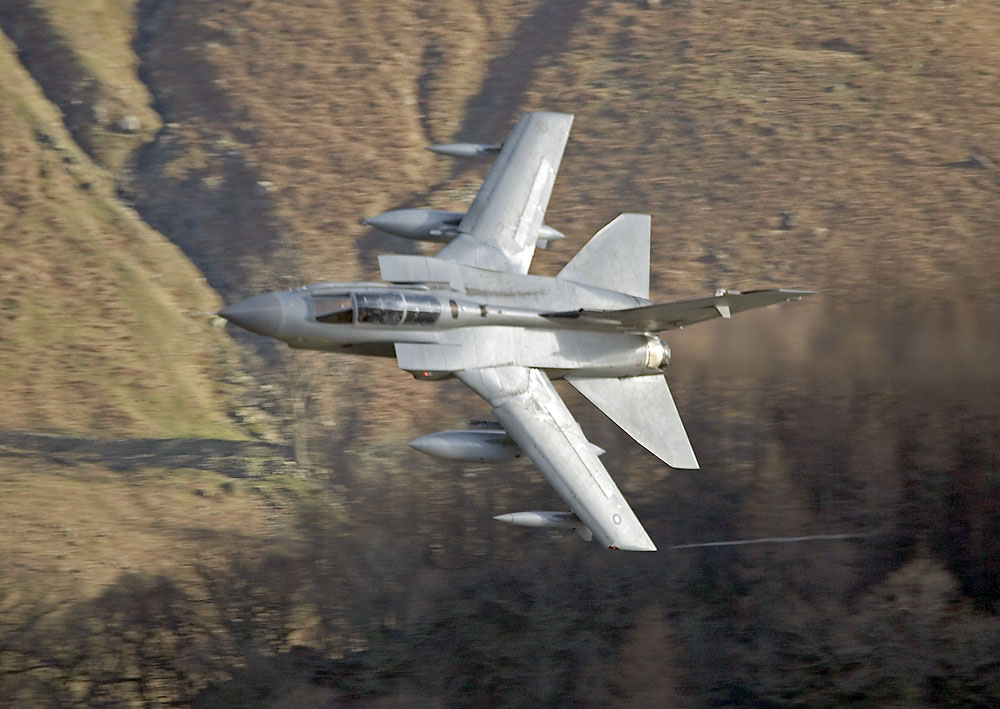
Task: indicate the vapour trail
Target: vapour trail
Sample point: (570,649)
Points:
(773,540)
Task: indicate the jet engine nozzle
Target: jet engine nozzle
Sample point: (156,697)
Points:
(657,353)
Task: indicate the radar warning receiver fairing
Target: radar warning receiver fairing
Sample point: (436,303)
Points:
(473,312)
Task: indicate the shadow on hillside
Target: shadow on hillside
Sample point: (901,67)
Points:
(324,620)
(539,37)
(236,459)
(229,230)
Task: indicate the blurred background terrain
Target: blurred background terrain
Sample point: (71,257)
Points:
(192,515)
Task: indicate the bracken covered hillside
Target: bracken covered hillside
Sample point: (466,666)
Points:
(160,157)
(849,146)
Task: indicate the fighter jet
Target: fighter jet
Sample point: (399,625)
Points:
(473,312)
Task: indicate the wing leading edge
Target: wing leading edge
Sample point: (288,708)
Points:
(535,417)
(500,230)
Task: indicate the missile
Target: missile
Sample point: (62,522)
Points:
(552,520)
(479,446)
(473,446)
(435,225)
(464,150)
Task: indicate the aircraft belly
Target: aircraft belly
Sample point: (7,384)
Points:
(612,354)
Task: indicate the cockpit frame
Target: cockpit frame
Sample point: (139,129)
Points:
(376,308)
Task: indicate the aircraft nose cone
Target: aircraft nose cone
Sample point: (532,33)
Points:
(260,314)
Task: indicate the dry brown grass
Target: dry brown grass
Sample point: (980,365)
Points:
(80,525)
(715,118)
(856,120)
(851,118)
(101,328)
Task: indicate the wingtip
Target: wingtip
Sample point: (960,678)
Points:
(634,547)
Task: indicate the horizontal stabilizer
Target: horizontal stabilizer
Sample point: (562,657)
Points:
(671,316)
(645,410)
(616,258)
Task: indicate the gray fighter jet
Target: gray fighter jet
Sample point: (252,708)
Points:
(473,312)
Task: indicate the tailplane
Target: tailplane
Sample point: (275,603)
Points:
(616,258)
(645,410)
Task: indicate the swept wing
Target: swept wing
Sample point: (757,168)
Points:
(671,316)
(535,417)
(500,230)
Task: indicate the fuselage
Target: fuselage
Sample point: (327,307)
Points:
(458,330)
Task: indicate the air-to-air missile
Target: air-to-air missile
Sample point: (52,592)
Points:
(465,150)
(435,225)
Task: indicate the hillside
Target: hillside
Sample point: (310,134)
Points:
(858,122)
(103,329)
(159,158)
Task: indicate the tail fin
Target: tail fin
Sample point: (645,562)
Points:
(616,258)
(645,410)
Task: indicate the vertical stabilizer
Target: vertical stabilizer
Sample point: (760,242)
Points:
(645,410)
(616,258)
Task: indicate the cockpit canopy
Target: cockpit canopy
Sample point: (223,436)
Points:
(376,308)
(337,308)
